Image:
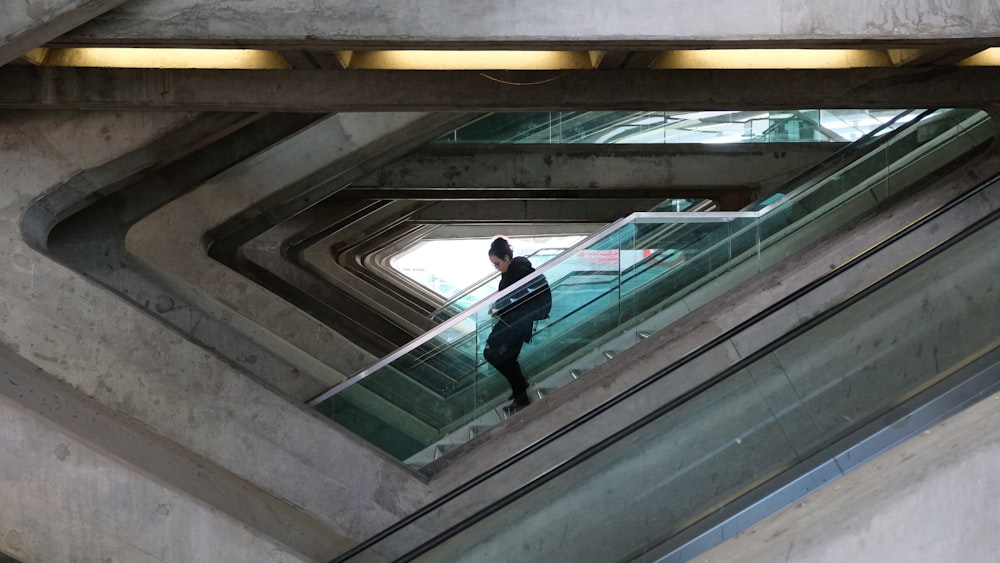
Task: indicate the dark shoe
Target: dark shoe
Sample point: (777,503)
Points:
(518,403)
(512,408)
(511,397)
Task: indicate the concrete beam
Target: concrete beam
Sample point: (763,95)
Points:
(540,192)
(919,489)
(446,232)
(375,322)
(115,465)
(589,171)
(352,297)
(487,22)
(474,91)
(709,319)
(945,55)
(532,211)
(132,363)
(26,25)
(169,243)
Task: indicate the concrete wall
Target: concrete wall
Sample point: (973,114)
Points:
(56,483)
(782,409)
(86,338)
(26,25)
(83,336)
(81,483)
(484,21)
(933,498)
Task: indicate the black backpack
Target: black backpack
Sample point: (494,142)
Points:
(532,302)
(538,298)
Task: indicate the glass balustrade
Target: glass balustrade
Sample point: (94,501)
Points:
(757,422)
(603,127)
(485,287)
(624,282)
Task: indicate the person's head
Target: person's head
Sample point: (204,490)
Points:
(501,254)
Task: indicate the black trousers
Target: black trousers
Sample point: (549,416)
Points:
(503,346)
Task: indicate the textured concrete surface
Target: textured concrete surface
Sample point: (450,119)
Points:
(484,21)
(126,469)
(130,362)
(667,167)
(108,350)
(31,23)
(170,242)
(63,500)
(714,318)
(745,430)
(933,498)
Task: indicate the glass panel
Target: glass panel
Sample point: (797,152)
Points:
(623,283)
(487,286)
(760,421)
(443,388)
(926,148)
(655,127)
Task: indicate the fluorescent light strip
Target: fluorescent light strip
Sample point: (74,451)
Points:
(124,57)
(771,58)
(417,59)
(471,60)
(987,57)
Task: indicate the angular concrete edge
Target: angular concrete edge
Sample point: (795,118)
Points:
(41,22)
(705,323)
(128,361)
(191,132)
(92,426)
(930,498)
(319,260)
(62,500)
(543,167)
(170,244)
(513,22)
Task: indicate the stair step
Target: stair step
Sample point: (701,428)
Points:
(443,449)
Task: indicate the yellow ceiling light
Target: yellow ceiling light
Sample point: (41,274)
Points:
(771,58)
(987,57)
(116,57)
(471,60)
(36,56)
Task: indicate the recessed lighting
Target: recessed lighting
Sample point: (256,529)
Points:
(987,57)
(771,58)
(127,57)
(470,60)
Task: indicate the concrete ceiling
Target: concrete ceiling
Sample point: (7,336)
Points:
(314,167)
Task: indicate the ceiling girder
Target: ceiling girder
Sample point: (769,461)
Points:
(41,22)
(376,90)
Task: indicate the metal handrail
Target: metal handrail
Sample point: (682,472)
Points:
(740,365)
(603,233)
(621,397)
(484,304)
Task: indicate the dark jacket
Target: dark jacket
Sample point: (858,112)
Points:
(510,310)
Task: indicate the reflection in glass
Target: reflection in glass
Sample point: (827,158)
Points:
(625,282)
